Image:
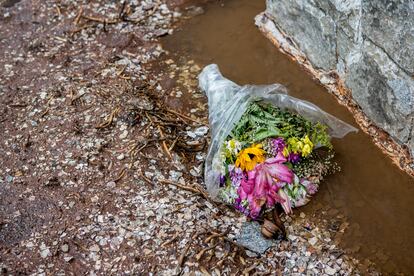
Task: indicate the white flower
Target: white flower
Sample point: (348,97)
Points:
(233,146)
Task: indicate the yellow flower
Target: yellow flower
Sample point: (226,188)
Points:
(308,146)
(306,150)
(295,144)
(303,146)
(286,152)
(249,157)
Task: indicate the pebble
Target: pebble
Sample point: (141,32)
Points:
(330,271)
(64,248)
(124,134)
(44,252)
(94,248)
(313,240)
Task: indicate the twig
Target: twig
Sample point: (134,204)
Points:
(219,263)
(185,117)
(74,98)
(164,144)
(109,120)
(44,112)
(100,20)
(18,105)
(183,254)
(217,235)
(121,14)
(58,10)
(170,240)
(201,253)
(121,175)
(173,145)
(184,187)
(78,17)
(80,29)
(121,71)
(146,179)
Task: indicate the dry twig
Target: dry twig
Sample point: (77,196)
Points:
(183,254)
(201,253)
(121,175)
(146,179)
(183,116)
(109,120)
(195,190)
(78,17)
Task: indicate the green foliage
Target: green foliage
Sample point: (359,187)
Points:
(261,121)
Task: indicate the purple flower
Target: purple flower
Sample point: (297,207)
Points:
(278,145)
(294,158)
(222,180)
(236,175)
(238,205)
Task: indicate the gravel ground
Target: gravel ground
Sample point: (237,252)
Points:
(102,147)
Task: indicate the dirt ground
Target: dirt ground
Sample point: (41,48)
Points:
(102,147)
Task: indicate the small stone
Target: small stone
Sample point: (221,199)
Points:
(68,258)
(302,215)
(111,184)
(201,131)
(330,271)
(313,241)
(124,134)
(45,253)
(94,248)
(9,178)
(64,248)
(121,156)
(251,254)
(251,238)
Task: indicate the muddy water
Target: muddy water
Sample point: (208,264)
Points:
(375,197)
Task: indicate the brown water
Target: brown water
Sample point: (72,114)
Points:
(374,195)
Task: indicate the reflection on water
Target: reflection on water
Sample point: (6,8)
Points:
(375,196)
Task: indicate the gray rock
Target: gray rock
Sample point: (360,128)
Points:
(251,238)
(367,43)
(64,248)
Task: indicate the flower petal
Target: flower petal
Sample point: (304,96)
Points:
(281,172)
(287,205)
(261,183)
(280,158)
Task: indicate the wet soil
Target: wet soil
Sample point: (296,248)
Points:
(371,194)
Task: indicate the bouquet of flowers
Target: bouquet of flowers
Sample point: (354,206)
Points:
(267,148)
(265,157)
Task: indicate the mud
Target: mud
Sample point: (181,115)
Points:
(372,197)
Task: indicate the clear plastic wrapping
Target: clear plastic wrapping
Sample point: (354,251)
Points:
(227,102)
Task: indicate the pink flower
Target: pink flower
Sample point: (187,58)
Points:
(287,205)
(247,185)
(263,184)
(255,205)
(272,170)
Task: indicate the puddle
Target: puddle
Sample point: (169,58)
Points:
(374,195)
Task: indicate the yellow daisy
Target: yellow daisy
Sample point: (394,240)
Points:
(249,157)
